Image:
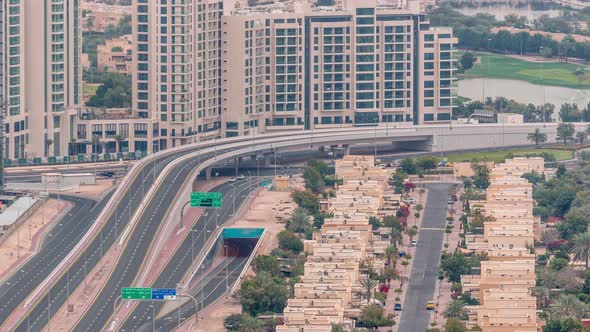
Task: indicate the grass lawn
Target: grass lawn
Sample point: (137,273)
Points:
(89,88)
(500,156)
(554,73)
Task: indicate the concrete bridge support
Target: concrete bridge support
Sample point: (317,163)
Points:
(208,173)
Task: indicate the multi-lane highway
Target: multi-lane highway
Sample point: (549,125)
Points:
(128,198)
(422,282)
(181,261)
(57,244)
(33,173)
(72,277)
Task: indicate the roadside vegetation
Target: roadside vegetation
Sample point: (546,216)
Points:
(501,155)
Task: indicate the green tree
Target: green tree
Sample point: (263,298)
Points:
(48,143)
(581,248)
(313,180)
(119,138)
(426,163)
(374,222)
(467,60)
(568,306)
(307,200)
(565,132)
(369,285)
(265,263)
(251,324)
(372,316)
(455,309)
(455,325)
(557,264)
(299,221)
(456,264)
(537,137)
(581,136)
(263,293)
(564,325)
(481,176)
(233,322)
(411,232)
(289,241)
(114,92)
(408,166)
(569,113)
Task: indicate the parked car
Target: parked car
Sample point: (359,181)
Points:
(414,243)
(402,253)
(430,305)
(410,200)
(397,307)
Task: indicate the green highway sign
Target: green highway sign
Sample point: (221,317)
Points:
(136,293)
(206,199)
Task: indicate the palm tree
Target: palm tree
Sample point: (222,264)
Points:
(411,232)
(396,236)
(95,143)
(568,306)
(581,136)
(581,248)
(390,252)
(48,143)
(119,138)
(368,285)
(73,146)
(251,324)
(299,221)
(537,137)
(565,132)
(455,309)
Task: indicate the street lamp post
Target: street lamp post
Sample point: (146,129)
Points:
(153,318)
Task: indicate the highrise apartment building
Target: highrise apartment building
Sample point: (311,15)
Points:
(41,81)
(176,78)
(290,66)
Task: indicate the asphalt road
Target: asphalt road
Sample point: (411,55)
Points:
(58,242)
(182,259)
(57,294)
(34,175)
(423,277)
(137,246)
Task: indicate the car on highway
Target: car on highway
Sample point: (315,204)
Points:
(241,177)
(430,305)
(397,307)
(232,180)
(107,174)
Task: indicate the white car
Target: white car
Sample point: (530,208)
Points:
(414,243)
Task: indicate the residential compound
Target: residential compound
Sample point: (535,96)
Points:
(41,81)
(507,276)
(212,68)
(329,291)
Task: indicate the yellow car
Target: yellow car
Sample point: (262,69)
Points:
(430,305)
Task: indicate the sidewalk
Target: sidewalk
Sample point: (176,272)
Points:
(25,242)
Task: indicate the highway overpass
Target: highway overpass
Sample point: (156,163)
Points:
(156,187)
